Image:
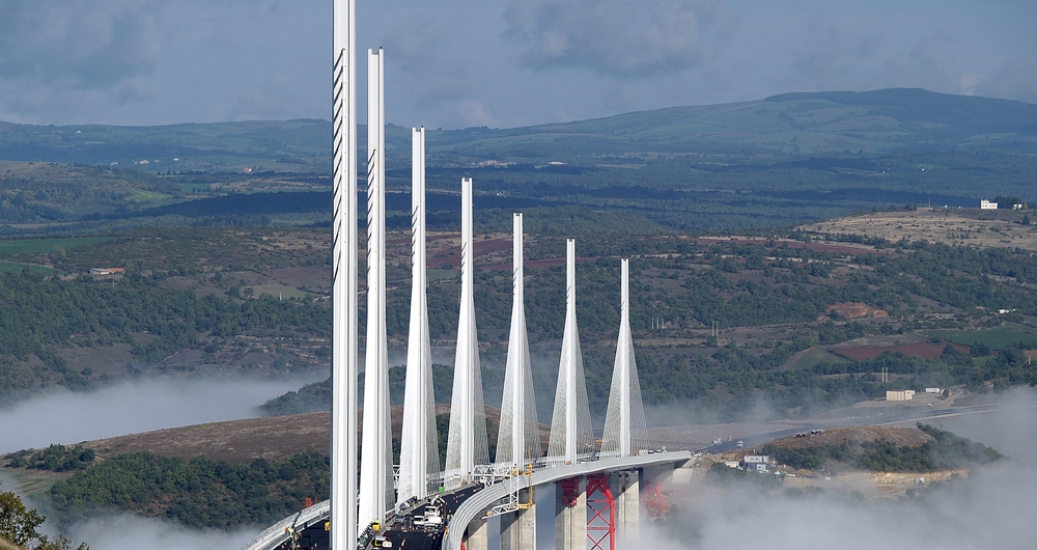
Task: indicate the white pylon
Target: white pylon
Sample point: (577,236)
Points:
(571,432)
(466,443)
(626,431)
(518,441)
(376,480)
(344,325)
(419,445)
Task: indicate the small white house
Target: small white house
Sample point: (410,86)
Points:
(987,205)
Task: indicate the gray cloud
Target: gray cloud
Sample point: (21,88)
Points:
(80,43)
(830,52)
(924,67)
(431,57)
(1016,80)
(430,67)
(619,38)
(275,95)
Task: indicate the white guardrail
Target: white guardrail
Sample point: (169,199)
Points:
(276,534)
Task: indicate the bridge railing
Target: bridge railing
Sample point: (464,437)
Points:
(276,533)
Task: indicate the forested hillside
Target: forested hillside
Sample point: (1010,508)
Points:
(781,161)
(198,300)
(219,236)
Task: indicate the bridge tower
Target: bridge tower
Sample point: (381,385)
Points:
(571,433)
(626,431)
(466,444)
(419,445)
(518,441)
(376,480)
(344,349)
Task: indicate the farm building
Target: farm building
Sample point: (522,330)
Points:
(900,395)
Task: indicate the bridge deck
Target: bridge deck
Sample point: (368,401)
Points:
(472,507)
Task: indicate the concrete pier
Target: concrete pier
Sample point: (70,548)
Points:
(518,530)
(478,535)
(626,490)
(571,514)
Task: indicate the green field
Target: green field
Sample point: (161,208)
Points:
(42,246)
(996,338)
(440,274)
(11,267)
(816,356)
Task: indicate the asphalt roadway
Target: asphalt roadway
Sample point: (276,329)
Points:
(403,533)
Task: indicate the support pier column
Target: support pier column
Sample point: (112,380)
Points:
(571,514)
(518,530)
(626,489)
(478,535)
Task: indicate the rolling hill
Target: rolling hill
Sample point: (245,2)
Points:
(880,121)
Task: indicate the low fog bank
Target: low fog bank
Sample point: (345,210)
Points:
(65,417)
(988,511)
(993,508)
(128,532)
(1011,429)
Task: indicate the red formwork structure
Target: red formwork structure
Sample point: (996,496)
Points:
(601,522)
(570,488)
(652,501)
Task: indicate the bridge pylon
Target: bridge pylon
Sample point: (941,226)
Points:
(518,441)
(344,276)
(572,437)
(626,432)
(419,445)
(466,443)
(376,476)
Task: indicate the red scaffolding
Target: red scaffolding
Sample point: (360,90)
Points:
(653,502)
(601,522)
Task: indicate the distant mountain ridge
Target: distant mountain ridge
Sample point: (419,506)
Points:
(872,122)
(825,122)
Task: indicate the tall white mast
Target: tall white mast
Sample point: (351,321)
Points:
(571,433)
(518,441)
(419,446)
(466,443)
(344,352)
(376,480)
(626,431)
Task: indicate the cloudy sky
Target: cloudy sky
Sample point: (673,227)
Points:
(500,63)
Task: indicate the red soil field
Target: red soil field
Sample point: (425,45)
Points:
(442,256)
